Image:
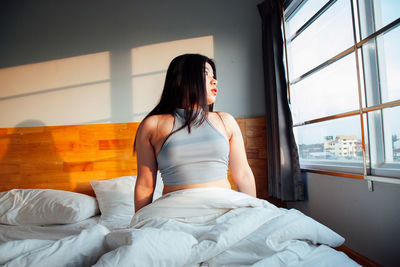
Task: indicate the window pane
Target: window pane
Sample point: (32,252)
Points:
(329,35)
(371,73)
(334,140)
(366,142)
(392,134)
(386,11)
(389,65)
(327,92)
(385,151)
(362,77)
(375,130)
(304,13)
(356,19)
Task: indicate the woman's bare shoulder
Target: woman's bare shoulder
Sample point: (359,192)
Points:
(226,117)
(148,123)
(155,120)
(156,123)
(229,123)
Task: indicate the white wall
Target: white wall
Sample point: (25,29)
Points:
(80,62)
(369,221)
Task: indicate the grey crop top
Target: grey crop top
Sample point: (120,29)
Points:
(198,157)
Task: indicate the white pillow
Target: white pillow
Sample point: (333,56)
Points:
(117,200)
(45,206)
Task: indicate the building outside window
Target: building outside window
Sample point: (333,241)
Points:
(343,70)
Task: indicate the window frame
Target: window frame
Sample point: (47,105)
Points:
(368,90)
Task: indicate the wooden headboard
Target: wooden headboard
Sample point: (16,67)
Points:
(68,157)
(65,157)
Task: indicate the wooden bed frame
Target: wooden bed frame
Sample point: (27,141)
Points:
(68,157)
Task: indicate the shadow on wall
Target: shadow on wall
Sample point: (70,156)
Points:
(30,159)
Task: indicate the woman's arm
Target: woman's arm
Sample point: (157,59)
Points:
(146,164)
(238,164)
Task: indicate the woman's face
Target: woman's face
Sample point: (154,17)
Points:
(211,84)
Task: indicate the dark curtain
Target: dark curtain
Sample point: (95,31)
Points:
(284,180)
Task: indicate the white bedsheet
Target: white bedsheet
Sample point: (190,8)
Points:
(48,232)
(194,227)
(219,227)
(83,249)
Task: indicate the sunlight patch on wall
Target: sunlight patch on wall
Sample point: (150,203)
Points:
(58,92)
(76,105)
(149,66)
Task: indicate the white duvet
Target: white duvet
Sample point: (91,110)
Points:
(193,227)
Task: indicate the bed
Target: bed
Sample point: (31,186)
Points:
(89,220)
(194,227)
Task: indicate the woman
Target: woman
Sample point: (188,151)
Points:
(182,136)
(208,224)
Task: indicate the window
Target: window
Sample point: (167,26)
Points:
(343,68)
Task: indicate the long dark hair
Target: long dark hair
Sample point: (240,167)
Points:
(185,87)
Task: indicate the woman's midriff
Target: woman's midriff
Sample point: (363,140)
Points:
(223,183)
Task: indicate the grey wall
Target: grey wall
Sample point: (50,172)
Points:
(40,31)
(369,221)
